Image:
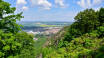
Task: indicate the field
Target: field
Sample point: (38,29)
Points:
(40,26)
(45,24)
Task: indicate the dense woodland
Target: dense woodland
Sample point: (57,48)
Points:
(83,39)
(14,43)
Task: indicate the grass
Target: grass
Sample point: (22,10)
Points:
(39,44)
(44,25)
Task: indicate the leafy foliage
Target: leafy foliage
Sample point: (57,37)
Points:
(81,47)
(13,42)
(8,18)
(13,45)
(83,39)
(101,16)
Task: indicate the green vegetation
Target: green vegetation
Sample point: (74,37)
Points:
(13,42)
(43,25)
(83,39)
(39,45)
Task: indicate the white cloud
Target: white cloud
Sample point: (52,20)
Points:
(89,3)
(96,9)
(56,16)
(45,4)
(60,3)
(25,8)
(81,3)
(20,5)
(21,2)
(97,1)
(84,3)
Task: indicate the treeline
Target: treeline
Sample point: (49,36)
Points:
(14,43)
(83,39)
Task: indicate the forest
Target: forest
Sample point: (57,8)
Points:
(82,39)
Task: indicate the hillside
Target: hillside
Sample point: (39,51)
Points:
(83,39)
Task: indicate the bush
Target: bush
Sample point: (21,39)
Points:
(13,45)
(101,31)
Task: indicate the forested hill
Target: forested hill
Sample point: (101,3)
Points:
(83,39)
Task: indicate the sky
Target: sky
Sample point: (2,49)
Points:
(53,10)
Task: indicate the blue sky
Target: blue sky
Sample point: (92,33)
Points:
(53,10)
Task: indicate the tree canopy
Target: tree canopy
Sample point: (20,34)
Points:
(83,39)
(14,43)
(8,18)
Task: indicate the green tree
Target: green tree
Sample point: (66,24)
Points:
(13,42)
(101,16)
(8,45)
(8,18)
(87,20)
(101,31)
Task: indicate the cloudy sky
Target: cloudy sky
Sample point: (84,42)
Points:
(53,10)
